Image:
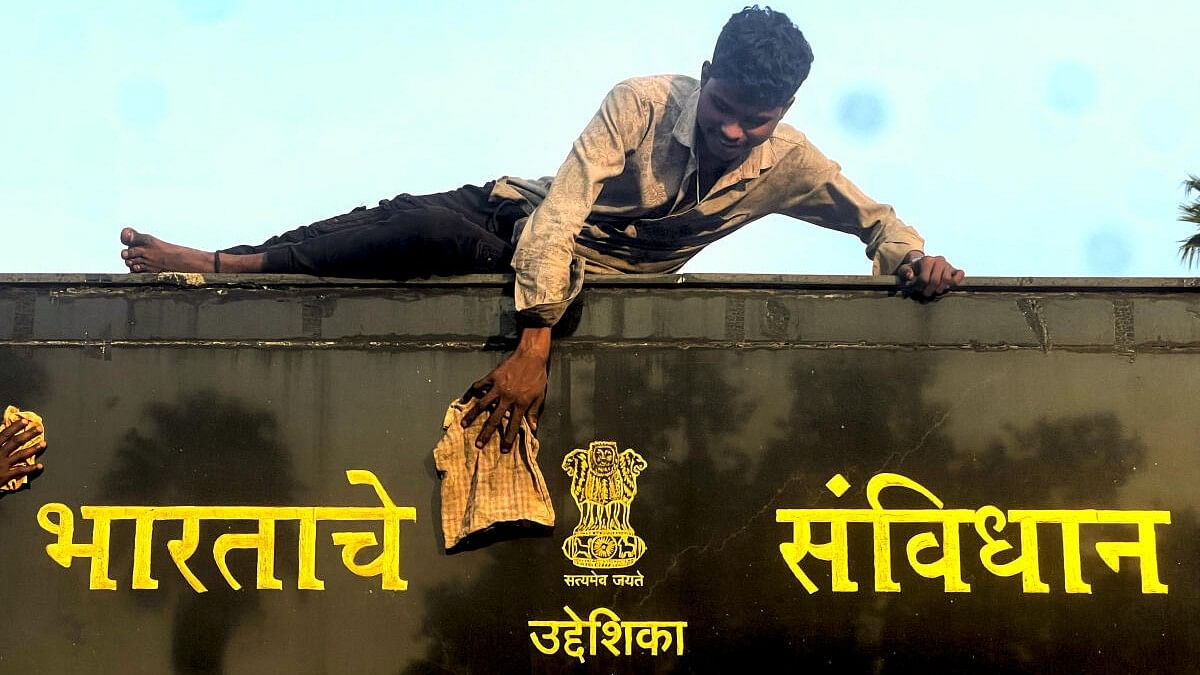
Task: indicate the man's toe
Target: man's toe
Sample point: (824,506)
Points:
(131,237)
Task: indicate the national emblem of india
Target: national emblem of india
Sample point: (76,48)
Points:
(603,483)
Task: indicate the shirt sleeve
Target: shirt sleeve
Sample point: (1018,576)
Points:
(825,197)
(548,273)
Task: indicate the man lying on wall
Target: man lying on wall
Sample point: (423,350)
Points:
(668,165)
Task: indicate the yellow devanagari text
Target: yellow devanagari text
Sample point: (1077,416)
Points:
(997,555)
(59,520)
(582,638)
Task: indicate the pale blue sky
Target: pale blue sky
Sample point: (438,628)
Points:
(1021,138)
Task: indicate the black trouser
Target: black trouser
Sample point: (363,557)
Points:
(456,232)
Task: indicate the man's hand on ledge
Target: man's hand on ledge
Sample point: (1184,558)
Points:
(928,275)
(516,388)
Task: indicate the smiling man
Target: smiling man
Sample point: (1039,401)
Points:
(668,165)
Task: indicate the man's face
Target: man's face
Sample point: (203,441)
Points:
(730,127)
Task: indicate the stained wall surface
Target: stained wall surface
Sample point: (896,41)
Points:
(1070,398)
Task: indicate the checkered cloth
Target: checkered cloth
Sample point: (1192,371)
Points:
(483,487)
(12,414)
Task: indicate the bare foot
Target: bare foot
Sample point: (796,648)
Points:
(144,253)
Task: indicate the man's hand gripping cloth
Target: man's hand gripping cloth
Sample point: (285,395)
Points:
(11,415)
(483,487)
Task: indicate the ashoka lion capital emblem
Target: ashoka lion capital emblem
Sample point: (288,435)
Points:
(603,483)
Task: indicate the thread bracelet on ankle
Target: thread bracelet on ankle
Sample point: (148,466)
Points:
(216,261)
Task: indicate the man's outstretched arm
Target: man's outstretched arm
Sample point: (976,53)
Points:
(823,196)
(548,273)
(515,388)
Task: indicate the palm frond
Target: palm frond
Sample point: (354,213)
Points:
(1189,249)
(1192,184)
(1190,213)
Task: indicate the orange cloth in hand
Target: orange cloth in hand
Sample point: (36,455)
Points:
(12,414)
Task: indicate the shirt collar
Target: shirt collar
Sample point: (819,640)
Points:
(685,126)
(760,159)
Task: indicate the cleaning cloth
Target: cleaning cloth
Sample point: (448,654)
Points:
(483,487)
(11,415)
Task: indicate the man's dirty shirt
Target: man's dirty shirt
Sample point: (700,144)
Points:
(624,201)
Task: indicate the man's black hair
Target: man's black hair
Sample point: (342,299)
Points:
(763,54)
